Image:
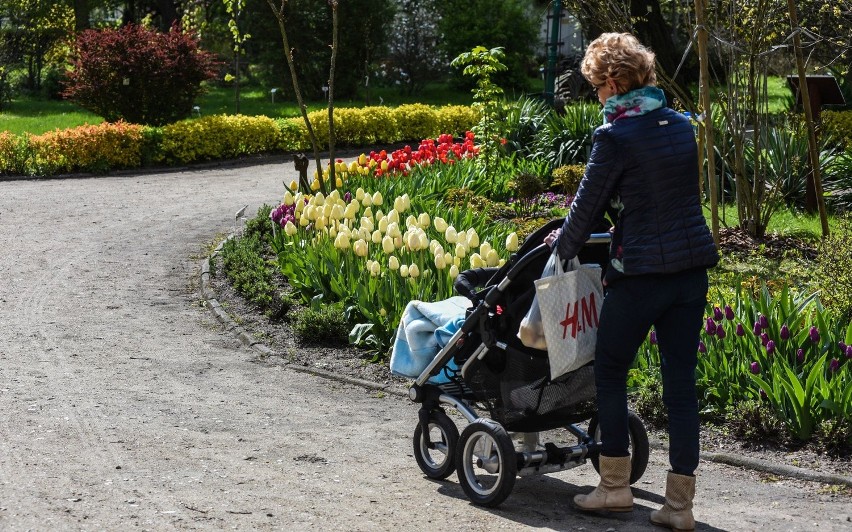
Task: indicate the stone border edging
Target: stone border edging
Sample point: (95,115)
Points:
(246,339)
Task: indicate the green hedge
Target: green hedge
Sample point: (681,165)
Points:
(108,146)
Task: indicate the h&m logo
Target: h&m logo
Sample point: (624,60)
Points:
(579,315)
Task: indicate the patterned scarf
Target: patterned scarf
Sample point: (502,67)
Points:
(634,103)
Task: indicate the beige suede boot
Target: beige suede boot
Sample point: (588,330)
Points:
(613,493)
(676,513)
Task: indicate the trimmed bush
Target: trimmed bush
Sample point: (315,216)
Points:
(456,119)
(87,148)
(566,179)
(137,74)
(416,122)
(218,137)
(13,149)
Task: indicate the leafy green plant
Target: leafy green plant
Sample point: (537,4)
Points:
(566,179)
(567,139)
(250,274)
(832,273)
(481,64)
(324,323)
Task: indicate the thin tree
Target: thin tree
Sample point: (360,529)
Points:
(331,135)
(281,17)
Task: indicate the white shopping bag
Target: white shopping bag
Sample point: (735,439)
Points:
(531,332)
(570,304)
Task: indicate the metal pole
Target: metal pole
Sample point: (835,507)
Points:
(553,44)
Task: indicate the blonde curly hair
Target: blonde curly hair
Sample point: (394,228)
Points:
(621,58)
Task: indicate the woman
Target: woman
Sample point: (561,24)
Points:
(644,165)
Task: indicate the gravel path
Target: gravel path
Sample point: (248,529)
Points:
(126,405)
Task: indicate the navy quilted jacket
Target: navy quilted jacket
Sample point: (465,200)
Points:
(646,169)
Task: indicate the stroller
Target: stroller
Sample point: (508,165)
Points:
(494,372)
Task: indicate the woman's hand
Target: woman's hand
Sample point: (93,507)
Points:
(552,237)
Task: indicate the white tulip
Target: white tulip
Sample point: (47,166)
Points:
(387,245)
(512,242)
(440,224)
(290,229)
(492,258)
(414,271)
(472,238)
(377,198)
(423,220)
(454,271)
(450,234)
(360,247)
(393,263)
(403,271)
(461,251)
(376,237)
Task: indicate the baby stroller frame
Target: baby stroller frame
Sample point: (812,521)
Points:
(484,455)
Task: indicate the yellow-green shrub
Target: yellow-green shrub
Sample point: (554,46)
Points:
(381,123)
(12,154)
(416,121)
(85,148)
(838,124)
(294,134)
(217,137)
(456,119)
(566,179)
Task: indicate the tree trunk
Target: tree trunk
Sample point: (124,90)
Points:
(81,15)
(168,14)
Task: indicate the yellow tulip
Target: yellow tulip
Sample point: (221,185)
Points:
(326,209)
(512,242)
(399,204)
(368,212)
(384,166)
(333,196)
(476,261)
(288,198)
(290,229)
(338,182)
(393,263)
(472,238)
(362,159)
(360,247)
(484,249)
(342,241)
(337,212)
(414,271)
(367,201)
(492,258)
(376,237)
(332,231)
(377,198)
(359,194)
(423,220)
(440,224)
(353,167)
(450,234)
(403,271)
(393,230)
(321,223)
(457,262)
(454,271)
(303,221)
(387,245)
(294,185)
(350,212)
(383,312)
(319,199)
(501,263)
(315,185)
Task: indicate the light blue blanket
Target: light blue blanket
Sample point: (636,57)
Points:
(424,329)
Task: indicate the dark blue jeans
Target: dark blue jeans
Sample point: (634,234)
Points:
(674,305)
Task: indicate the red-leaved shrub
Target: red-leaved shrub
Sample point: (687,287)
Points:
(138,74)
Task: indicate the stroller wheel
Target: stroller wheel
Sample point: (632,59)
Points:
(486,462)
(640,449)
(435,448)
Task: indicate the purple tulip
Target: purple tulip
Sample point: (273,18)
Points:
(720,331)
(701,347)
(800,355)
(729,313)
(764,339)
(785,332)
(834,365)
(764,323)
(849,351)
(754,368)
(710,328)
(653,337)
(770,347)
(347,197)
(763,394)
(814,334)
(842,345)
(756,330)
(717,314)
(740,330)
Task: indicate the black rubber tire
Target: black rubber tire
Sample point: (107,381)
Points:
(484,488)
(640,448)
(437,469)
